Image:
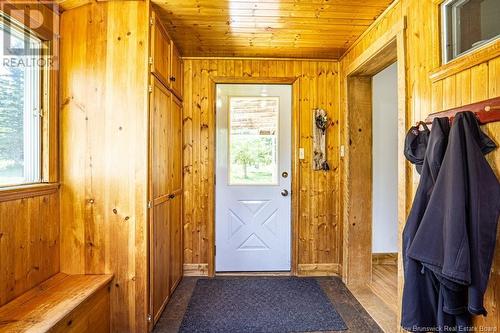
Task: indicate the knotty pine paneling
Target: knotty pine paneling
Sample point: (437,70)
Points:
(104,151)
(29,243)
(319,224)
(468,86)
(422,42)
(279,28)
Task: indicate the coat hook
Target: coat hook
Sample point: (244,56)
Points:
(489,108)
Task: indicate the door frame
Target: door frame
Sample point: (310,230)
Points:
(214,80)
(357,261)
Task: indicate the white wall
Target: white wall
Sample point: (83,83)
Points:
(385,187)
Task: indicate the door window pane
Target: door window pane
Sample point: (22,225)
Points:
(253,140)
(468,24)
(19,107)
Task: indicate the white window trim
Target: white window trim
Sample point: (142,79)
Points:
(455,32)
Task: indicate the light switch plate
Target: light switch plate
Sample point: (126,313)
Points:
(301,154)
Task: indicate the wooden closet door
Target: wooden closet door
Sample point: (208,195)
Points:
(176,249)
(176,72)
(176,190)
(176,140)
(160,264)
(160,248)
(161,52)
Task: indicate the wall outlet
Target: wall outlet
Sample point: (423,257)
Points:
(301,154)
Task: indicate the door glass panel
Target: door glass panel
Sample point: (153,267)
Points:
(253,140)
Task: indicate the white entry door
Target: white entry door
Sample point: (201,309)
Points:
(253,177)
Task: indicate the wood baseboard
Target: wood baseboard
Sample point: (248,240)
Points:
(195,269)
(319,269)
(385,258)
(303,270)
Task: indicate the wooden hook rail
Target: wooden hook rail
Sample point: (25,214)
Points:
(486,111)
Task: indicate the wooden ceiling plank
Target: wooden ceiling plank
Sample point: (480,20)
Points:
(271,28)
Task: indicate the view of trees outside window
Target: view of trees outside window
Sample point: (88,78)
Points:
(253,140)
(11,125)
(19,112)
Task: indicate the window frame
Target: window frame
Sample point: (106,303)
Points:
(445,34)
(48,130)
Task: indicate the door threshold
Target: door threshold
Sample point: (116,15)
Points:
(280,273)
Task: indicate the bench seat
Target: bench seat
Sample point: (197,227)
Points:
(63,303)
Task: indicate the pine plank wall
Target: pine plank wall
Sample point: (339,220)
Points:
(318,225)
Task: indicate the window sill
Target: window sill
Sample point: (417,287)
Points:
(11,193)
(483,54)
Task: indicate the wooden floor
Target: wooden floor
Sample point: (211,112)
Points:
(385,284)
(380,297)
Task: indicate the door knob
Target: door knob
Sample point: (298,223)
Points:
(284,193)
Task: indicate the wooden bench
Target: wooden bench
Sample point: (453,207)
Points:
(63,303)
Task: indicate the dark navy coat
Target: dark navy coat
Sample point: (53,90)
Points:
(421,288)
(457,234)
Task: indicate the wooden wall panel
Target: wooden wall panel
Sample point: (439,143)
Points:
(471,85)
(104,151)
(319,228)
(482,81)
(29,243)
(358,229)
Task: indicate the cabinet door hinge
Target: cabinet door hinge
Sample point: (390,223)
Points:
(151,21)
(150,60)
(150,204)
(150,317)
(150,89)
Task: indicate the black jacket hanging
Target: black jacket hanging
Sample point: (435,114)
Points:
(457,234)
(421,288)
(415,145)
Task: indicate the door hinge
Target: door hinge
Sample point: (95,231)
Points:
(150,60)
(150,204)
(151,21)
(215,179)
(215,250)
(150,317)
(150,89)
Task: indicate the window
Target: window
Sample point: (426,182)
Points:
(468,24)
(20,106)
(253,139)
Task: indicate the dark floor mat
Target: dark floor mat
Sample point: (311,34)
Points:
(258,305)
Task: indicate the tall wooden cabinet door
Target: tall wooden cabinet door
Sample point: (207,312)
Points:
(161,131)
(160,258)
(161,52)
(176,223)
(176,144)
(160,249)
(176,249)
(176,75)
